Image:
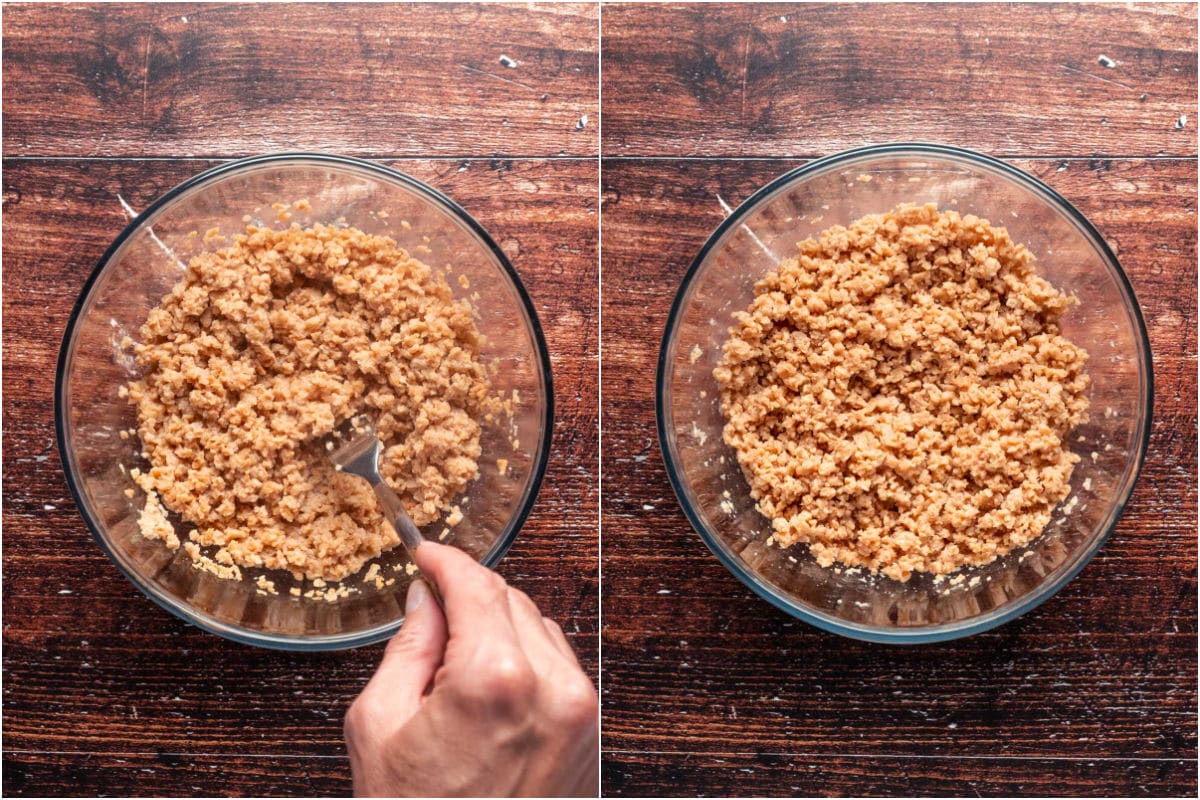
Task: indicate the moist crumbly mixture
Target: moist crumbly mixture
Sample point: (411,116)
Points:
(899,394)
(259,352)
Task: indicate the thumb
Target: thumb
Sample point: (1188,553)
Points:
(413,655)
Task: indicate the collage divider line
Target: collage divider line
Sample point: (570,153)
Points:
(600,394)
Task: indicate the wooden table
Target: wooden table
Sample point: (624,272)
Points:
(709,690)
(103,691)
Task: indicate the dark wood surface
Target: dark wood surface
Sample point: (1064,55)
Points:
(774,79)
(709,690)
(104,693)
(417,80)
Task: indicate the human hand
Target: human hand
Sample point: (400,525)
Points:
(486,699)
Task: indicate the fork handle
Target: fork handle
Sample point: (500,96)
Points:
(393,509)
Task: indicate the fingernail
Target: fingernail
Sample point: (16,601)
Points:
(418,593)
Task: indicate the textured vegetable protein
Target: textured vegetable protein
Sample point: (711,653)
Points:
(265,347)
(899,394)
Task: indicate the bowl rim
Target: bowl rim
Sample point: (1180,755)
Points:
(201,619)
(994,617)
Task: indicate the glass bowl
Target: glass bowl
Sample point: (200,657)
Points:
(142,265)
(1070,253)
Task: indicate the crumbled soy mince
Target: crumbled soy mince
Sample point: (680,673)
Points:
(899,394)
(262,349)
(153,522)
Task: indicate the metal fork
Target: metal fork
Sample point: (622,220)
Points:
(360,456)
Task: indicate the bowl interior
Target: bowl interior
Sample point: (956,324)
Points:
(1106,322)
(150,259)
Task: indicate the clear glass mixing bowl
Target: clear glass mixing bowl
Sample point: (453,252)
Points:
(142,265)
(837,190)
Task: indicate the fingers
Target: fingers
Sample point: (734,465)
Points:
(414,654)
(560,640)
(476,598)
(481,606)
(531,630)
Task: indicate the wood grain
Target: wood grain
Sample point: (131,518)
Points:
(104,693)
(94,673)
(698,669)
(708,689)
(782,775)
(791,80)
(358,79)
(172,775)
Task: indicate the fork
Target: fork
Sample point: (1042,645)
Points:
(360,456)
